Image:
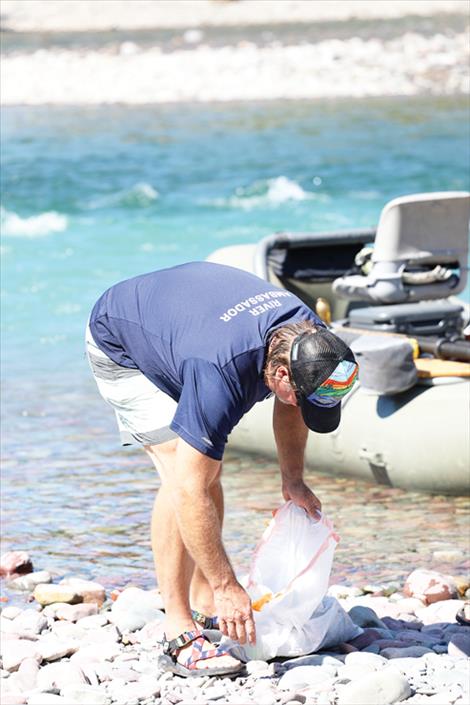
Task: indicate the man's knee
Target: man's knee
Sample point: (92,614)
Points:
(163,455)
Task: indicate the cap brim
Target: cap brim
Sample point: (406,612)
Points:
(321,419)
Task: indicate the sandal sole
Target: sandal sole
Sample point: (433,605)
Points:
(166,663)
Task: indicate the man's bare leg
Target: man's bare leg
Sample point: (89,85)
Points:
(173,565)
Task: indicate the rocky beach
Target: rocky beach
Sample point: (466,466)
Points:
(70,54)
(78,644)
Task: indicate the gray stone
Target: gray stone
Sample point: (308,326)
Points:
(27,583)
(353,672)
(361,658)
(382,688)
(316,660)
(46,699)
(84,695)
(344,592)
(102,635)
(305,676)
(365,617)
(72,613)
(96,653)
(410,651)
(67,631)
(30,621)
(134,608)
(147,687)
(28,674)
(372,649)
(11,612)
(15,651)
(60,675)
(257,667)
(459,645)
(52,648)
(93,622)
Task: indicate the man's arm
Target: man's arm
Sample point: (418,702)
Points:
(291,434)
(200,530)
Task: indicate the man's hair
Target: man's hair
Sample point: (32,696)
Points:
(280,344)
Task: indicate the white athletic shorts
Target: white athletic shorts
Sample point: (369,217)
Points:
(143,411)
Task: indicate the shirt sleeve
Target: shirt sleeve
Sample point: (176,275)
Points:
(209,407)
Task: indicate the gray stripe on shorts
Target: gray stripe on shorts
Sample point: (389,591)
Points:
(105,368)
(150,438)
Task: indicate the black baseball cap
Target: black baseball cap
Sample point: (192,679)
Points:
(323,369)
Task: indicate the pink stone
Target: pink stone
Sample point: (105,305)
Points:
(430,586)
(72,613)
(15,563)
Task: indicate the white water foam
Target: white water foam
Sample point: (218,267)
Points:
(270,192)
(14,225)
(139,195)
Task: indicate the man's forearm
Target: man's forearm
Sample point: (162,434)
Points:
(291,435)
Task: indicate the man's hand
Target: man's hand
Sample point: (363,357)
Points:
(233,609)
(302,496)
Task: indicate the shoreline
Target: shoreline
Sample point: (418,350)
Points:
(90,15)
(408,65)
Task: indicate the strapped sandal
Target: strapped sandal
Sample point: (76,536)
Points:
(198,652)
(205,621)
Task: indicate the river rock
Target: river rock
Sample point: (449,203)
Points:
(84,695)
(102,635)
(46,699)
(430,586)
(134,608)
(459,645)
(305,675)
(13,699)
(28,674)
(361,658)
(94,621)
(59,675)
(444,611)
(352,673)
(52,648)
(343,592)
(335,661)
(72,613)
(27,583)
(47,594)
(88,590)
(10,612)
(365,617)
(67,630)
(382,688)
(30,621)
(409,605)
(146,687)
(15,562)
(368,636)
(410,651)
(95,653)
(15,651)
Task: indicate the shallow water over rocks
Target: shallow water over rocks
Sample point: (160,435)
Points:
(81,505)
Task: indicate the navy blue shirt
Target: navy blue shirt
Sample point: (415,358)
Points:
(199,333)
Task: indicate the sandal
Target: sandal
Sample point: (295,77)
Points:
(169,662)
(204,621)
(463,615)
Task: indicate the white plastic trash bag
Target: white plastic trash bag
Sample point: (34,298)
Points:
(287,583)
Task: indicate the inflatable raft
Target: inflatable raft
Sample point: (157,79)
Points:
(392,293)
